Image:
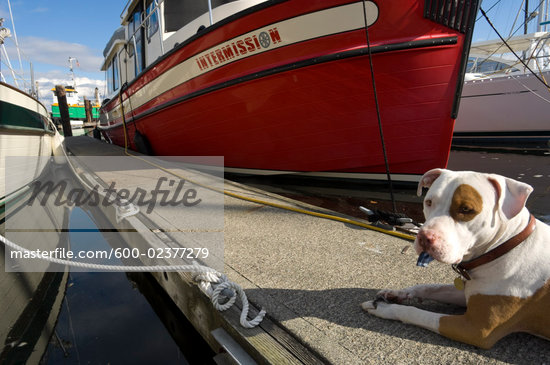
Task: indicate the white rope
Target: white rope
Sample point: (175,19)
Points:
(205,276)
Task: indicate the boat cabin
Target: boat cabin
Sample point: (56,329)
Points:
(151,28)
(488,58)
(71,94)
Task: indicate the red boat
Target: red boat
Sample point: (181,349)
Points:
(286,86)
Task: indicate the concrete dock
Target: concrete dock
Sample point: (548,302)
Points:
(311,275)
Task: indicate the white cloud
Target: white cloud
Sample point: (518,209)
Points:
(57,53)
(84,85)
(45,53)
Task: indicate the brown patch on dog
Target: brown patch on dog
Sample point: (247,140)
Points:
(466,203)
(491,317)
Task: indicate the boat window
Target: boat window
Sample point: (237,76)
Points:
(152,22)
(477,65)
(112,75)
(109,75)
(131,27)
(115,73)
(135,31)
(178,13)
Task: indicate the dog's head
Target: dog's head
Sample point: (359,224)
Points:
(465,210)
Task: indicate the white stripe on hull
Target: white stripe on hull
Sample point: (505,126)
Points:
(18,98)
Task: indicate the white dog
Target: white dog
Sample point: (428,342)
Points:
(479,224)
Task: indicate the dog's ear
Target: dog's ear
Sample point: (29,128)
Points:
(427,179)
(511,194)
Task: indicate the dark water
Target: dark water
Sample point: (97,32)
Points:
(119,318)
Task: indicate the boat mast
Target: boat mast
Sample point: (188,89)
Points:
(526,17)
(15,38)
(526,21)
(6,33)
(210,12)
(34,92)
(542,21)
(71,59)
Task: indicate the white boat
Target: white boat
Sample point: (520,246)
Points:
(30,301)
(504,103)
(25,130)
(25,125)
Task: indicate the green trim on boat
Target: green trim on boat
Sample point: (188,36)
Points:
(75,112)
(12,115)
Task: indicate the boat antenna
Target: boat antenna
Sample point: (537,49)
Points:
(378,110)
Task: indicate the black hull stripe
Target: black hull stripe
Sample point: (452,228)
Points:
(293,66)
(533,134)
(497,94)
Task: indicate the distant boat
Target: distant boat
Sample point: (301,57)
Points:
(504,104)
(285,86)
(77,110)
(76,107)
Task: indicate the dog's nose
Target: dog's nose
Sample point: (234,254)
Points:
(426,238)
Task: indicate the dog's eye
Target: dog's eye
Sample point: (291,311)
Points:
(428,202)
(464,209)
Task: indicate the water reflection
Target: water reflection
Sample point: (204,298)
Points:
(30,300)
(114,317)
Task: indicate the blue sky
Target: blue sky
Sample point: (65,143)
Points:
(502,14)
(49,32)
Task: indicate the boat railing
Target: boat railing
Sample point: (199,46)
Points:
(144,21)
(536,54)
(124,9)
(143,24)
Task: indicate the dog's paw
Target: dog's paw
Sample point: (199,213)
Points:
(395,296)
(379,308)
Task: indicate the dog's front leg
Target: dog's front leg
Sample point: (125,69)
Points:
(405,314)
(441,293)
(481,327)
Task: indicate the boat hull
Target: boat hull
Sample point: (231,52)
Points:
(75,111)
(25,130)
(306,105)
(504,111)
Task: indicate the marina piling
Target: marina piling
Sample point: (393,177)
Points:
(63,110)
(88,109)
